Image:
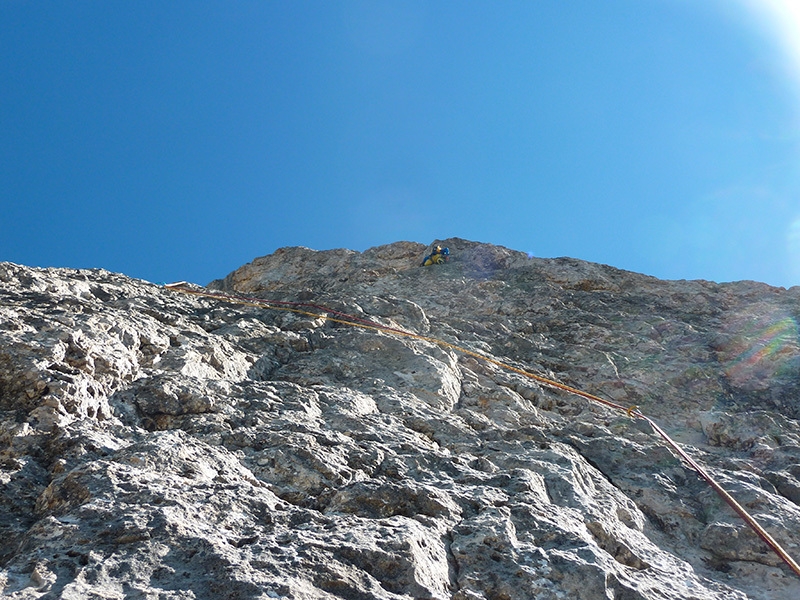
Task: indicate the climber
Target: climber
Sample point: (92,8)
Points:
(438,256)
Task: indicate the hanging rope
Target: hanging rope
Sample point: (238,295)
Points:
(317,311)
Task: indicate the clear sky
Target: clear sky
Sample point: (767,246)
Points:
(181,139)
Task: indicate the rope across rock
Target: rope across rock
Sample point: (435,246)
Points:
(322,312)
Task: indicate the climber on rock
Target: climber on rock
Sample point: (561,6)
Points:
(438,256)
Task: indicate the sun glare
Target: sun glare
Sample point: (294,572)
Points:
(782,19)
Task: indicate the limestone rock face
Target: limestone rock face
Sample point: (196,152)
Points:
(155,444)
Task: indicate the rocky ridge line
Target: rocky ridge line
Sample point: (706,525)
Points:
(156,445)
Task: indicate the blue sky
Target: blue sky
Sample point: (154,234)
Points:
(180,140)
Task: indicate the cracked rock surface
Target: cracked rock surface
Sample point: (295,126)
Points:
(159,445)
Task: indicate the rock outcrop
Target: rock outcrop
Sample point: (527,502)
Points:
(155,444)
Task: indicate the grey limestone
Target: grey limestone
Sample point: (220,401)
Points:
(159,445)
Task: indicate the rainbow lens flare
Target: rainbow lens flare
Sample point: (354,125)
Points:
(759,351)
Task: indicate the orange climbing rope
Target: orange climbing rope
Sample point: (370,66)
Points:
(322,312)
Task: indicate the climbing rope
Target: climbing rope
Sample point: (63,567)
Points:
(317,311)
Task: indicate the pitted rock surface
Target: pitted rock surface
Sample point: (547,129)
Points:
(161,445)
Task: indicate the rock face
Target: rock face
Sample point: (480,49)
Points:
(160,445)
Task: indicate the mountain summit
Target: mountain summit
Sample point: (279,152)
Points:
(341,424)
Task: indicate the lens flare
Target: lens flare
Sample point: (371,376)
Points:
(760,350)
